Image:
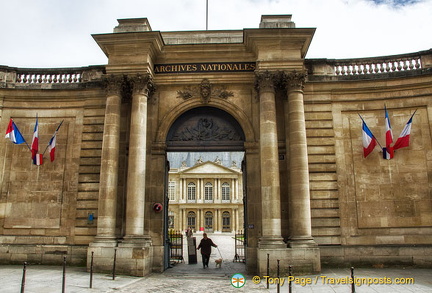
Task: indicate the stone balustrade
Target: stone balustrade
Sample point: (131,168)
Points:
(48,77)
(12,76)
(370,66)
(376,65)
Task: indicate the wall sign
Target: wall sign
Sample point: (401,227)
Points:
(204,67)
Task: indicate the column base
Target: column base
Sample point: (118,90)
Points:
(135,240)
(306,242)
(303,260)
(102,250)
(269,242)
(135,256)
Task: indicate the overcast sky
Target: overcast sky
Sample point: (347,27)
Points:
(57,33)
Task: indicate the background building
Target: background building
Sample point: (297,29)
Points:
(206,196)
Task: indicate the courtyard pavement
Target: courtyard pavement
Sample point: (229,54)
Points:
(184,277)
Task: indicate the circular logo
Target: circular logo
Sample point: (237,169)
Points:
(238,280)
(157,207)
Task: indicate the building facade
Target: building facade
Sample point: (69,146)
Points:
(310,197)
(206,197)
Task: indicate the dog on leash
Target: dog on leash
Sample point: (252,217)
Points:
(218,262)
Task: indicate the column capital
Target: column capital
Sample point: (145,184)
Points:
(294,80)
(142,85)
(266,81)
(113,84)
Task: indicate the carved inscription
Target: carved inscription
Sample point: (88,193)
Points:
(204,67)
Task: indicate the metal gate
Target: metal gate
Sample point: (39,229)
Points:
(239,247)
(176,246)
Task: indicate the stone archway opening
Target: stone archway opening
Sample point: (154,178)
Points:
(206,186)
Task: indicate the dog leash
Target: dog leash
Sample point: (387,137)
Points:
(219,253)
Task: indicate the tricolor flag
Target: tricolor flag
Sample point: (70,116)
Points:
(403,140)
(35,141)
(13,133)
(52,143)
(38,159)
(51,147)
(388,152)
(369,141)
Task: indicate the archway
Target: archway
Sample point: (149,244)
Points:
(205,129)
(209,131)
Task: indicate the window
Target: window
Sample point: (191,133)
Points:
(225,191)
(208,221)
(208,192)
(171,220)
(226,222)
(191,192)
(191,220)
(171,190)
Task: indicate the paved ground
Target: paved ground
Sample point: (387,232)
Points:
(193,278)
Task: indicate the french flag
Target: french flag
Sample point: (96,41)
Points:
(38,159)
(51,147)
(369,141)
(35,141)
(13,133)
(52,143)
(388,152)
(403,140)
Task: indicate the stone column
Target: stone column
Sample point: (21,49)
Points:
(269,163)
(141,87)
(299,196)
(103,246)
(106,224)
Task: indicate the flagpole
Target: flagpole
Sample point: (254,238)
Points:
(206,15)
(55,133)
(371,133)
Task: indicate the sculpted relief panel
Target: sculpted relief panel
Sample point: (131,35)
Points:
(205,127)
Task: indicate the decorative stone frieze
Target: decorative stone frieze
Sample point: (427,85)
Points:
(205,91)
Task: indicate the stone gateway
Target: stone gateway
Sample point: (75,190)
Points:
(310,197)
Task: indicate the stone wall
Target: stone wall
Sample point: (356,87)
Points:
(370,210)
(44,210)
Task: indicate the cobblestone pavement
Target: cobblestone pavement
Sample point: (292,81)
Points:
(47,279)
(184,277)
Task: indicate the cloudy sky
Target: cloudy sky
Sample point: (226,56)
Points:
(57,33)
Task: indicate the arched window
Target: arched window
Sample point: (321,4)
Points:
(208,221)
(226,222)
(226,192)
(191,220)
(191,192)
(208,192)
